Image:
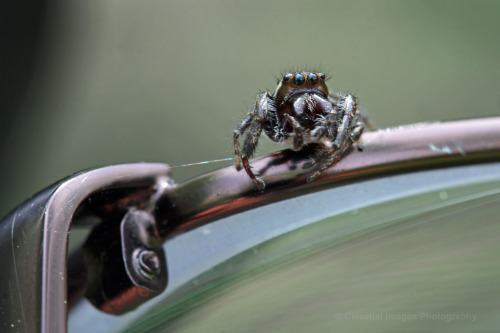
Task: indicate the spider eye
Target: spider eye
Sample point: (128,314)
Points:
(286,78)
(312,78)
(322,76)
(299,79)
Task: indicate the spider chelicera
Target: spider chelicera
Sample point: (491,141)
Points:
(300,112)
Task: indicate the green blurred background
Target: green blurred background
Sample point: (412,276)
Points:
(92,83)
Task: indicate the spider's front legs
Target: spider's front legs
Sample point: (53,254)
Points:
(349,128)
(255,121)
(357,129)
(324,132)
(237,133)
(248,149)
(298,138)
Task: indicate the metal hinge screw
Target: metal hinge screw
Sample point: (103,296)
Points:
(148,264)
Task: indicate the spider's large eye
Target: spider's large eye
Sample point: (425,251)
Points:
(312,78)
(287,78)
(299,79)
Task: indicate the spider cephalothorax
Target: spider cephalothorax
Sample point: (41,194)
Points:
(301,111)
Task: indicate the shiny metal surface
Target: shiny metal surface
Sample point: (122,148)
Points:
(34,240)
(387,151)
(21,258)
(196,257)
(59,215)
(124,263)
(451,267)
(34,237)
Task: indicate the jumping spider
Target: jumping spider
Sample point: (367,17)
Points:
(302,111)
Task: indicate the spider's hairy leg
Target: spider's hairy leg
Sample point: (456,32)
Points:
(327,124)
(348,131)
(346,111)
(298,139)
(357,129)
(332,158)
(237,133)
(320,156)
(254,123)
(319,131)
(249,147)
(324,131)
